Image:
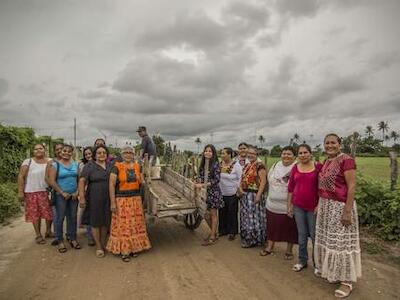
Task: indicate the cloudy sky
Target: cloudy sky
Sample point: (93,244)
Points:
(224,71)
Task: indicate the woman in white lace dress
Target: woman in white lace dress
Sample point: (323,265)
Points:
(337,244)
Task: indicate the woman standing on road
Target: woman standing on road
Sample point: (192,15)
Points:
(337,244)
(303,201)
(214,195)
(280,227)
(252,206)
(128,227)
(229,184)
(63,178)
(32,190)
(94,197)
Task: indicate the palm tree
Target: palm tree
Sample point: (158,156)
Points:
(384,127)
(296,137)
(369,130)
(198,142)
(395,136)
(261,139)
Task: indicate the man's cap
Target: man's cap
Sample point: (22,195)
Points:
(141,128)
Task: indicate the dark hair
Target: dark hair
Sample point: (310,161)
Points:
(56,144)
(99,139)
(243,144)
(229,151)
(289,148)
(253,147)
(68,146)
(304,146)
(84,160)
(97,148)
(334,135)
(213,159)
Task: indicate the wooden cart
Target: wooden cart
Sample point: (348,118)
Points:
(172,194)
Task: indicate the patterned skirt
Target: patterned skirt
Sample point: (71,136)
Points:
(128,227)
(252,220)
(37,207)
(337,248)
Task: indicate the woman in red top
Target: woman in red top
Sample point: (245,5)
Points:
(337,244)
(303,200)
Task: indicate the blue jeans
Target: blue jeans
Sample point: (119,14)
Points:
(305,221)
(66,209)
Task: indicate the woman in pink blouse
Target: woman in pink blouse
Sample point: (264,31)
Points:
(337,244)
(303,200)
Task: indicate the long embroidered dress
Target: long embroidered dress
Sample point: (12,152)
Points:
(128,227)
(252,215)
(337,247)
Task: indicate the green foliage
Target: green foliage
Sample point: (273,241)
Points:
(159,143)
(276,150)
(9,204)
(15,144)
(378,207)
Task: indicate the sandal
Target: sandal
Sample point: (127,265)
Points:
(100,253)
(298,267)
(343,294)
(265,252)
(134,255)
(288,256)
(61,247)
(40,240)
(317,273)
(209,242)
(232,237)
(125,258)
(74,244)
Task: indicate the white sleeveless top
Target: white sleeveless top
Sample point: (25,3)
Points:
(35,180)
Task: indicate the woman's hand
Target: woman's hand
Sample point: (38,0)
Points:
(316,210)
(113,207)
(82,204)
(74,196)
(346,217)
(65,195)
(290,210)
(198,185)
(258,198)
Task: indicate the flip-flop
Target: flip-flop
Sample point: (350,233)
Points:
(298,267)
(61,248)
(125,258)
(100,253)
(40,240)
(342,294)
(265,252)
(209,242)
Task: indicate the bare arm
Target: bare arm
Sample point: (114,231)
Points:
(350,177)
(263,181)
(113,182)
(81,190)
(289,205)
(23,173)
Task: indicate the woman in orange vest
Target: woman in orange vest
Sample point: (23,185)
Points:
(128,234)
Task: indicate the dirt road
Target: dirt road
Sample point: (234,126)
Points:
(176,268)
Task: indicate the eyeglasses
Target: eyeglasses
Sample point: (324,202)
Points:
(127,152)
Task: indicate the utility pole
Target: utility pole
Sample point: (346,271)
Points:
(74,132)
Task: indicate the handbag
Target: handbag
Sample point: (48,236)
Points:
(53,191)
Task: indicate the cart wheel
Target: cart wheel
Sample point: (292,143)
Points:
(193,220)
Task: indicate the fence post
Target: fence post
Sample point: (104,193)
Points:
(353,145)
(393,170)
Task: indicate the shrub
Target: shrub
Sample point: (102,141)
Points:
(378,207)
(9,204)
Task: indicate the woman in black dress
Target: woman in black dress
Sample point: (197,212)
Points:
(96,200)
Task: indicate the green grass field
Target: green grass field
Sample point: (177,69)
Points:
(377,168)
